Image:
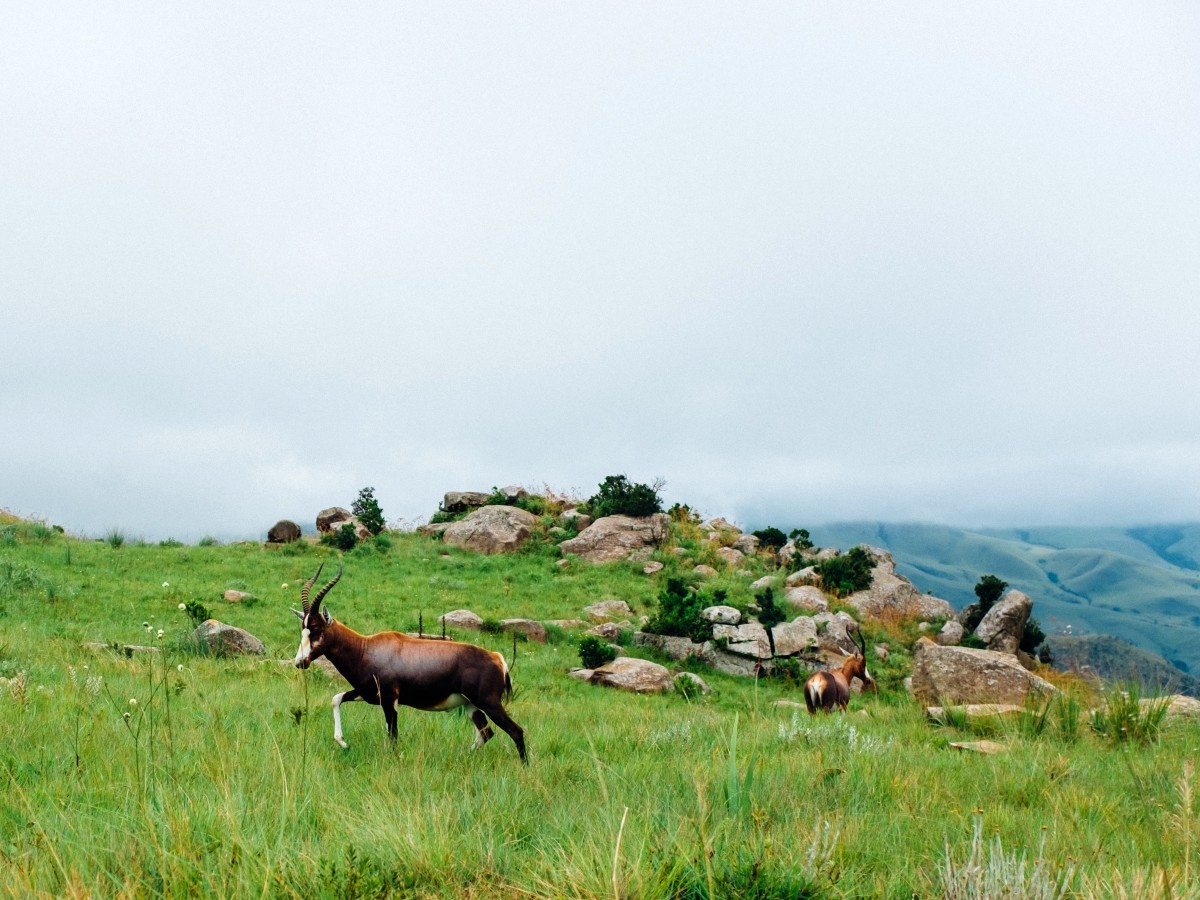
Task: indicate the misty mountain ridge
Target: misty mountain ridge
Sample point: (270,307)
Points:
(1139,584)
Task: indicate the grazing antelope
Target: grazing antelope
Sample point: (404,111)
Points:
(390,668)
(826,690)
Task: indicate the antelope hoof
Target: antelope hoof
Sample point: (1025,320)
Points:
(341,743)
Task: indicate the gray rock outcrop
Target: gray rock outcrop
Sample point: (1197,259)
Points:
(1004,624)
(611,610)
(631,674)
(614,538)
(462,618)
(895,594)
(283,532)
(461,501)
(959,675)
(492,529)
(227,640)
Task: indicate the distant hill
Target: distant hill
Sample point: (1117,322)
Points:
(1115,660)
(1139,584)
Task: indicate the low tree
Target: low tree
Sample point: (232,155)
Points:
(770,537)
(618,497)
(367,509)
(847,573)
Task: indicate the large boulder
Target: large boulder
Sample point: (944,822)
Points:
(613,538)
(959,675)
(747,544)
(631,674)
(611,610)
(283,532)
(730,556)
(892,594)
(462,618)
(226,640)
(533,631)
(492,529)
(795,637)
(721,615)
(807,598)
(334,515)
(837,633)
(461,501)
(1004,624)
(744,640)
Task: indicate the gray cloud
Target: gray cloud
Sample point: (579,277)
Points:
(806,264)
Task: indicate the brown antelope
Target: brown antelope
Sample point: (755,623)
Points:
(827,690)
(390,668)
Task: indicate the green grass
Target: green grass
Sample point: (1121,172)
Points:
(224,780)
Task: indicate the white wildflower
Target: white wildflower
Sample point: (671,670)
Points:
(166,584)
(133,701)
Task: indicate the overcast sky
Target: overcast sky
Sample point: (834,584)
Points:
(805,262)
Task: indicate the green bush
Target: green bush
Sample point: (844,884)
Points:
(989,589)
(801,538)
(618,497)
(770,614)
(196,611)
(367,509)
(594,652)
(343,538)
(678,613)
(1127,716)
(1032,637)
(771,537)
(847,573)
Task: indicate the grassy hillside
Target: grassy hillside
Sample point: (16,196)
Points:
(176,773)
(1142,585)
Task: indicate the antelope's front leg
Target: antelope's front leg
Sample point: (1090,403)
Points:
(338,699)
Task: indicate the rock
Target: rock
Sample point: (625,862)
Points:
(283,532)
(492,529)
(582,674)
(951,634)
(565,623)
(461,501)
(761,584)
(975,712)
(608,611)
(730,557)
(1179,706)
(881,652)
(237,596)
(533,631)
(226,640)
(807,575)
(839,634)
(807,598)
(610,631)
(987,748)
(721,615)
(719,524)
(334,515)
(892,594)
(512,493)
(670,645)
(652,568)
(631,674)
(789,704)
(794,637)
(434,528)
(462,618)
(1004,624)
(705,571)
(579,519)
(691,683)
(745,640)
(959,675)
(746,544)
(614,538)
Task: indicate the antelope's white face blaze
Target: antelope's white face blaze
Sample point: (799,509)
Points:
(304,652)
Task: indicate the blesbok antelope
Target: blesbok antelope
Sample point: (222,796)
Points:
(826,690)
(390,668)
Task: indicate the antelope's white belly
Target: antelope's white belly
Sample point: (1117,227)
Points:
(453,701)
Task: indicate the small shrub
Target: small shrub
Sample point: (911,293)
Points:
(847,573)
(618,497)
(115,538)
(994,873)
(196,611)
(1127,716)
(770,614)
(170,543)
(1033,636)
(771,537)
(683,514)
(593,652)
(367,509)
(208,541)
(383,542)
(988,589)
(678,613)
(973,641)
(343,538)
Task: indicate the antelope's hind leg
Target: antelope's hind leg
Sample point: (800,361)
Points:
(497,714)
(483,731)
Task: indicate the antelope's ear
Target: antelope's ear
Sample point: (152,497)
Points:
(299,615)
(328,615)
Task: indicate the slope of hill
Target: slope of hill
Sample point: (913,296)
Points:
(1140,584)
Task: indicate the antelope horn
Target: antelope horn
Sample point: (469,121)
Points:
(862,641)
(325,590)
(308,584)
